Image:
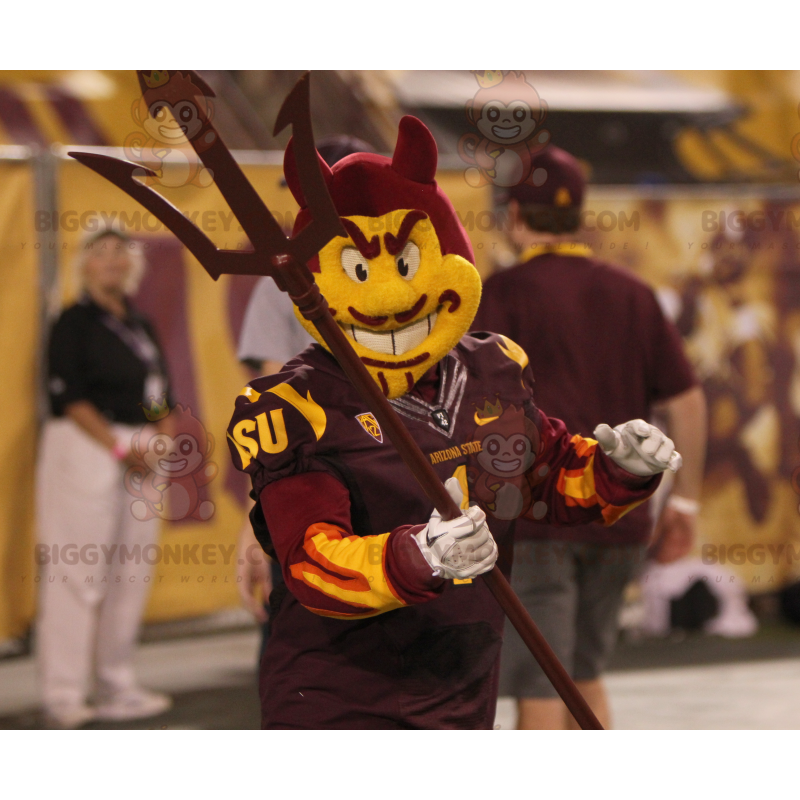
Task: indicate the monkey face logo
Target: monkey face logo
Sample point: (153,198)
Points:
(174,124)
(502,475)
(173,458)
(508,114)
(506,457)
(172,469)
(508,124)
(172,112)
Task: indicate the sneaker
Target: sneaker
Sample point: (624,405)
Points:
(67,717)
(133,704)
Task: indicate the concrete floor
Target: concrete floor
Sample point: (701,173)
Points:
(212,680)
(755,695)
(753,685)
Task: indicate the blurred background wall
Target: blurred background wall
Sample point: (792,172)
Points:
(694,186)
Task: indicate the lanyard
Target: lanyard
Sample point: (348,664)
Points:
(143,347)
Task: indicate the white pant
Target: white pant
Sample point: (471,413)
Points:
(89,613)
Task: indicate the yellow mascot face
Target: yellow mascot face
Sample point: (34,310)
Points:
(402,304)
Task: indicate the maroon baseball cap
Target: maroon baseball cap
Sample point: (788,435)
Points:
(556,180)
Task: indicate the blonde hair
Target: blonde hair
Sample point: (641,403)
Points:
(133,249)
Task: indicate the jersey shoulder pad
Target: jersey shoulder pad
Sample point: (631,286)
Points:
(277,422)
(491,353)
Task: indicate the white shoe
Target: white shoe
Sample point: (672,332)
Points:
(67,717)
(134,703)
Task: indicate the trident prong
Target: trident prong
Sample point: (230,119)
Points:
(262,229)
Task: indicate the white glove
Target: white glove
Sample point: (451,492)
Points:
(638,447)
(461,548)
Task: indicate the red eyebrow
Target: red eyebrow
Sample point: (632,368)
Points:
(368,249)
(395,244)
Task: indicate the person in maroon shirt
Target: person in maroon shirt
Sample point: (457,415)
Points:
(600,350)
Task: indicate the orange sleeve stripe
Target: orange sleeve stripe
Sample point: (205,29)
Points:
(583,447)
(350,569)
(304,572)
(345,578)
(612,513)
(577,485)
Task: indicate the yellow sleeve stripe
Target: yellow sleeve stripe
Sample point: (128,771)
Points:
(514,351)
(577,485)
(313,412)
(351,568)
(250,393)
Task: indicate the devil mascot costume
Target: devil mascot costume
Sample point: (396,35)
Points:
(381,623)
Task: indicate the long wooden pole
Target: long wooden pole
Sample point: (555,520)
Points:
(305,294)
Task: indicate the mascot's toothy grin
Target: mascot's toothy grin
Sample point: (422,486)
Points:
(396,342)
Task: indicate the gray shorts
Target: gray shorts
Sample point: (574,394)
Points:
(573,591)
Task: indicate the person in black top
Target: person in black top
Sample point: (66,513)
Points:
(104,363)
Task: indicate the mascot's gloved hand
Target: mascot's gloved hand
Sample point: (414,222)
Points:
(461,548)
(638,447)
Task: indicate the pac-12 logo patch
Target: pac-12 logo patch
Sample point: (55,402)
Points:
(371,426)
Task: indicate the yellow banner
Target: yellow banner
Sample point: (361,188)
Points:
(19,309)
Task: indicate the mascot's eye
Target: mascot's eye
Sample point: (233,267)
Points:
(160,447)
(355,265)
(493,447)
(158,112)
(493,114)
(519,447)
(186,447)
(519,114)
(408,261)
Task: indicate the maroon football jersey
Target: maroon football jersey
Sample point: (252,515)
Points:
(354,643)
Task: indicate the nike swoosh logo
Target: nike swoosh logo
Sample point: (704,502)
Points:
(431,541)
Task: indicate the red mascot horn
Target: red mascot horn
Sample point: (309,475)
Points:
(370,185)
(415,155)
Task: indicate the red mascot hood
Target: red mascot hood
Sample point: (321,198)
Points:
(369,185)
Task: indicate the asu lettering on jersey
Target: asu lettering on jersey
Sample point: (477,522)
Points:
(272,437)
(465,449)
